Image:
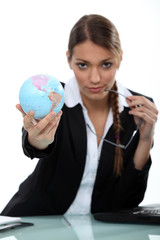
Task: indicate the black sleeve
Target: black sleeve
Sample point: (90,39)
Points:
(32,152)
(132,185)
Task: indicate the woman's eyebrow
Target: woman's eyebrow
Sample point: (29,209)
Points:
(85,61)
(107,59)
(82,60)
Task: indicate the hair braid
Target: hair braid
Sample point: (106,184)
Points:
(118,161)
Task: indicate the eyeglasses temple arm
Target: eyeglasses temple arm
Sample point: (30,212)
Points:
(134,133)
(110,90)
(112,143)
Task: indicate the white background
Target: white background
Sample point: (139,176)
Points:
(33,40)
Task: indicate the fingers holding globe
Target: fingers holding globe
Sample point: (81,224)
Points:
(42,94)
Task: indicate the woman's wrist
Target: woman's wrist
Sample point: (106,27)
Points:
(37,145)
(142,153)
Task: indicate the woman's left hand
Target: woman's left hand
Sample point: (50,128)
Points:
(143,108)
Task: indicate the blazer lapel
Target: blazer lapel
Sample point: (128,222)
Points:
(78,133)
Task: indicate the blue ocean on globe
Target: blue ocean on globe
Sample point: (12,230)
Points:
(42,94)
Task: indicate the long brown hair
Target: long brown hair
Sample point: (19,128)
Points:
(102,32)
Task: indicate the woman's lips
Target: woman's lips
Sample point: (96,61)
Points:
(96,89)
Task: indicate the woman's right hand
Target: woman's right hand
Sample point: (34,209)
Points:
(40,132)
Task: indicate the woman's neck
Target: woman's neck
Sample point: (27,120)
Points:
(96,106)
(98,113)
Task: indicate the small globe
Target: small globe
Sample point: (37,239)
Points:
(42,94)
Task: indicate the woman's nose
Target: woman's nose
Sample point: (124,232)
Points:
(94,76)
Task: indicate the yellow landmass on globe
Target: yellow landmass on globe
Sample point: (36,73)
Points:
(55,98)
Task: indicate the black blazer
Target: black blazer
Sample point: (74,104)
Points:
(53,185)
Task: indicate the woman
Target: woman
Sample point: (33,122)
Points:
(89,159)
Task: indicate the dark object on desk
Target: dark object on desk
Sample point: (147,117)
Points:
(143,214)
(14,225)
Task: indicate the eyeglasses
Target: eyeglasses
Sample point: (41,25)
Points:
(110,142)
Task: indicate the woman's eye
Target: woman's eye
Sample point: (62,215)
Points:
(107,64)
(82,65)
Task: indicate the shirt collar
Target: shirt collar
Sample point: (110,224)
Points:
(72,94)
(73,97)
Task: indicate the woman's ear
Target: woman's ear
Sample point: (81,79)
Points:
(67,54)
(68,59)
(121,55)
(120,58)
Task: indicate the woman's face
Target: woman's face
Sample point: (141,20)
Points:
(95,69)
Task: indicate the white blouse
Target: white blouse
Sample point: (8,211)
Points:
(82,201)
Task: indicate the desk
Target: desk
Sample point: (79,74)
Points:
(83,227)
